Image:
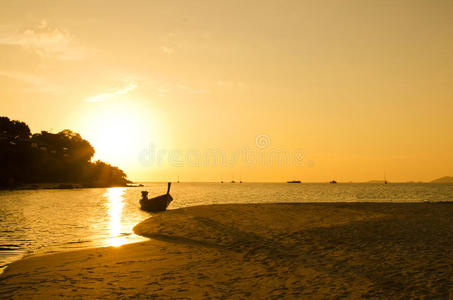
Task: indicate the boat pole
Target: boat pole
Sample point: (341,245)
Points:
(168,190)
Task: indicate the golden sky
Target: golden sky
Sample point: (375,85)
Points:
(280,90)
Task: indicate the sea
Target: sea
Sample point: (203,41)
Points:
(36,222)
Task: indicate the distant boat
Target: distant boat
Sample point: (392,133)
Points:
(294,181)
(232,181)
(134,185)
(333,182)
(159,203)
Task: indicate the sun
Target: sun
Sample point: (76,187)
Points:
(116,131)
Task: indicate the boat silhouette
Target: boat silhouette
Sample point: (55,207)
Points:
(159,203)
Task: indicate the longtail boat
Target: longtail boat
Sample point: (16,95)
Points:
(159,203)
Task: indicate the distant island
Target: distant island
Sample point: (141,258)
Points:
(445,179)
(294,181)
(52,160)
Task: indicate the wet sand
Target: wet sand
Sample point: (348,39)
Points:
(259,251)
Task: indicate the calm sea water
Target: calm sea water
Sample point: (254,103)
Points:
(46,221)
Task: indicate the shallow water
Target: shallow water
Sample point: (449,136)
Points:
(46,221)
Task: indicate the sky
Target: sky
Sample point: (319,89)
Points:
(349,90)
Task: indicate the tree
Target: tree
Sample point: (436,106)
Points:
(14,129)
(50,157)
(14,151)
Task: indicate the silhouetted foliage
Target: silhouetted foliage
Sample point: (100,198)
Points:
(15,129)
(50,157)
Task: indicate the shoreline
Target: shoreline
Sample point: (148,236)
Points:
(62,186)
(66,185)
(259,250)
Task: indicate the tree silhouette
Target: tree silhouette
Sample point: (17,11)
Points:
(50,157)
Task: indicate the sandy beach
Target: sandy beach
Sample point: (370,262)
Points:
(322,251)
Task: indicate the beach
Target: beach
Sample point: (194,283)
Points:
(322,251)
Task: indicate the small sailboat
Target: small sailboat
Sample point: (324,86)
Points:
(159,203)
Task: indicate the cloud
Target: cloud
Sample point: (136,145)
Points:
(47,42)
(189,90)
(223,83)
(167,50)
(22,77)
(229,83)
(35,83)
(164,89)
(170,43)
(107,96)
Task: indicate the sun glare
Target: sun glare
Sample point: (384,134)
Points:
(115,209)
(116,131)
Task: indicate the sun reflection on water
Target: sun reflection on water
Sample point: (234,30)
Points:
(115,198)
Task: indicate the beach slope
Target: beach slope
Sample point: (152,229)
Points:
(259,250)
